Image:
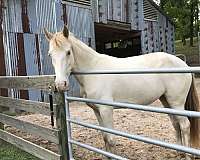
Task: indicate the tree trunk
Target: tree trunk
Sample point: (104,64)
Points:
(184,40)
(197,16)
(192,10)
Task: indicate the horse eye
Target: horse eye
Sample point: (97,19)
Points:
(68,53)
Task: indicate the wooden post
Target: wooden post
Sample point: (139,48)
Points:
(61,125)
(1,124)
(1,127)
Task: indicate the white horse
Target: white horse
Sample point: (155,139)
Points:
(175,91)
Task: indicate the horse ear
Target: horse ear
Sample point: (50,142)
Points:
(65,31)
(48,35)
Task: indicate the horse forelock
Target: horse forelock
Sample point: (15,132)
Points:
(58,41)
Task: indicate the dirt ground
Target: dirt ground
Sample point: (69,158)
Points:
(147,124)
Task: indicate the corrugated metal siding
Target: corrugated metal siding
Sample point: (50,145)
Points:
(158,36)
(26,16)
(127,11)
(12,16)
(150,37)
(3,92)
(166,31)
(25,45)
(81,17)
(118,10)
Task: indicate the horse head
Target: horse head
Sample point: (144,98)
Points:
(61,53)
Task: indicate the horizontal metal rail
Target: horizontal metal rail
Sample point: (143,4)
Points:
(139,138)
(142,71)
(108,154)
(137,107)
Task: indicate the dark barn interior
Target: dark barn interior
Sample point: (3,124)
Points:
(117,41)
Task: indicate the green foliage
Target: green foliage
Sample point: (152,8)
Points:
(9,152)
(183,12)
(187,49)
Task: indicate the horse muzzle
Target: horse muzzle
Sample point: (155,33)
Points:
(62,85)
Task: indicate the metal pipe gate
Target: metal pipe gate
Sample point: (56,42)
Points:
(130,106)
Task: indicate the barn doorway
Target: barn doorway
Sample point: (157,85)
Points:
(117,41)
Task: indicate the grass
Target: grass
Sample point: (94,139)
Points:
(187,49)
(9,152)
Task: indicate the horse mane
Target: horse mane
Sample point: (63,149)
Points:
(78,44)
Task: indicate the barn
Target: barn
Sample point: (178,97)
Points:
(119,28)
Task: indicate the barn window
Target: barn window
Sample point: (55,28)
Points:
(85,2)
(150,12)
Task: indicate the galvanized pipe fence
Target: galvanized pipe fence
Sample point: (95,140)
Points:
(177,147)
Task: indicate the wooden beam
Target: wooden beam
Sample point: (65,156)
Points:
(29,147)
(27,82)
(115,25)
(26,105)
(61,125)
(46,133)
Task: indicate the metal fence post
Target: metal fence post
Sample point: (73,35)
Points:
(69,128)
(61,125)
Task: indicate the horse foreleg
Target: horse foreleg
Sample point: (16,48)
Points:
(104,116)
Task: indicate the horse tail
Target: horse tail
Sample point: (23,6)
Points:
(192,104)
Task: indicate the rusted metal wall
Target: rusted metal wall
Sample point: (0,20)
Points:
(3,92)
(22,23)
(23,44)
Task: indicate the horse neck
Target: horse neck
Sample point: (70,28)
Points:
(85,57)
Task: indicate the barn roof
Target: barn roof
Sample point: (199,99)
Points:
(161,11)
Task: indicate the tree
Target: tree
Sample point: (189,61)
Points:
(185,14)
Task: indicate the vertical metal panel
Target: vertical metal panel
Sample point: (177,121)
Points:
(46,64)
(82,18)
(150,37)
(95,10)
(144,39)
(12,16)
(46,15)
(32,61)
(156,36)
(103,11)
(11,58)
(31,14)
(60,15)
(140,17)
(117,11)
(110,9)
(134,14)
(162,26)
(3,92)
(21,64)
(25,18)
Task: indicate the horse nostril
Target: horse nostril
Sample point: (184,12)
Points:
(65,83)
